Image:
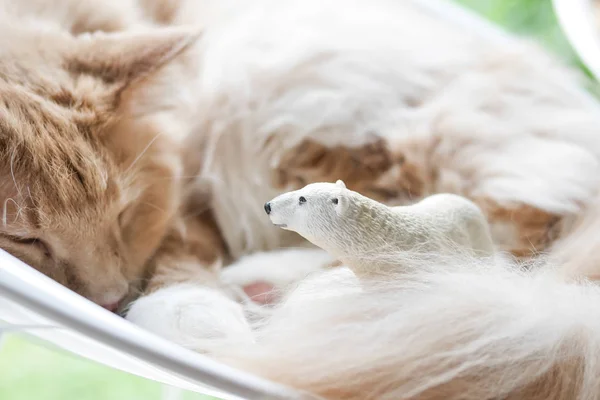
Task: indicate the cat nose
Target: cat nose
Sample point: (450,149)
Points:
(268,208)
(112,299)
(112,307)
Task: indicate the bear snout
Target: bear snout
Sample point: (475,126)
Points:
(268,208)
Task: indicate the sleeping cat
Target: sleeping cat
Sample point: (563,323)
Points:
(90,173)
(163,138)
(136,156)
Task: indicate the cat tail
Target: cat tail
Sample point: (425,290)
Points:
(455,329)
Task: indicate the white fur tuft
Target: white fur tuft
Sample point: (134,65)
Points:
(193,316)
(468,329)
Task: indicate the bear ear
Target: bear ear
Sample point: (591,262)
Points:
(340,183)
(342,202)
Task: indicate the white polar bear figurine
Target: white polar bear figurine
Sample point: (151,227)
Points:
(371,237)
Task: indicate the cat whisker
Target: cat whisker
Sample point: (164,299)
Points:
(143,152)
(5,211)
(154,206)
(29,194)
(12,171)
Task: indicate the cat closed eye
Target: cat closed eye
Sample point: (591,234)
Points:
(40,244)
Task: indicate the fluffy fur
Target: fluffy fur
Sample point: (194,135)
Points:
(443,328)
(277,94)
(457,113)
(462,115)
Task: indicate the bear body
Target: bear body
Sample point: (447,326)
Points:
(370,237)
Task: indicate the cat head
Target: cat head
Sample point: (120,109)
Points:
(88,178)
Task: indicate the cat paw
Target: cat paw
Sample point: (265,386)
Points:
(265,277)
(193,316)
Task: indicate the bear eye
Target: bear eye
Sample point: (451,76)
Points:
(335,200)
(302,200)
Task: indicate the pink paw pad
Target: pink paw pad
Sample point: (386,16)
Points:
(261,292)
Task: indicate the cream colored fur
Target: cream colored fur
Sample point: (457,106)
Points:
(445,328)
(351,72)
(299,264)
(497,119)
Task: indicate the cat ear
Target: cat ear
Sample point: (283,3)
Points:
(340,183)
(120,59)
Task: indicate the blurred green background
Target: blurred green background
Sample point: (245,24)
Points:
(32,372)
(533,18)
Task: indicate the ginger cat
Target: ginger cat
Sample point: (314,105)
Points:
(135,156)
(90,172)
